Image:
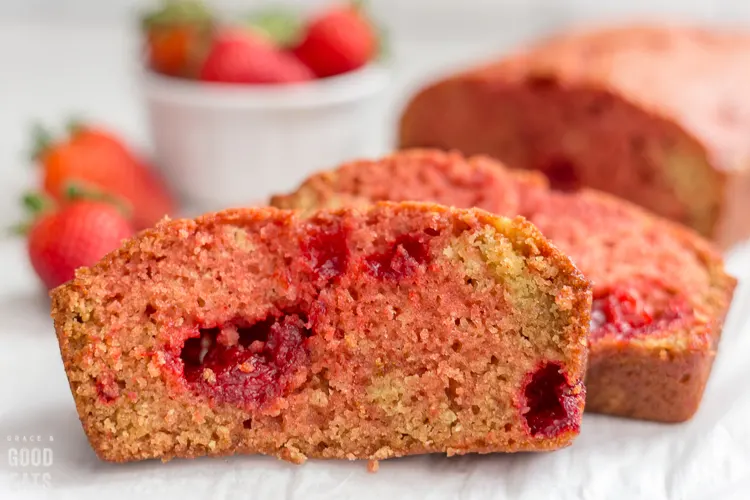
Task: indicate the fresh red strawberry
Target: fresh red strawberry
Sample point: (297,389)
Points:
(96,159)
(240,56)
(80,233)
(339,41)
(177,36)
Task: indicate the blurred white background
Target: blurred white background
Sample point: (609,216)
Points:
(463,16)
(711,9)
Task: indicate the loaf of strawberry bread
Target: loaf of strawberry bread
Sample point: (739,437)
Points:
(660,290)
(658,115)
(394,330)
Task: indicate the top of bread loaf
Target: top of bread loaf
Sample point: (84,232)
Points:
(695,77)
(619,246)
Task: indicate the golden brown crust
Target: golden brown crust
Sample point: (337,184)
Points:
(664,68)
(361,182)
(118,325)
(675,376)
(662,377)
(677,380)
(616,244)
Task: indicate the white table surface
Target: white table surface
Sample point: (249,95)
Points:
(48,71)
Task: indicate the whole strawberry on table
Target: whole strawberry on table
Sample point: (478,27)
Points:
(184,39)
(94,193)
(77,231)
(96,159)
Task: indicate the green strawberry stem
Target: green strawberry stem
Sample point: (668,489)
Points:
(35,204)
(75,125)
(20,229)
(173,12)
(360,5)
(282,27)
(41,140)
(75,190)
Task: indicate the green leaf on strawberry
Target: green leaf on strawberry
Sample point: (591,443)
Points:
(35,205)
(74,125)
(41,139)
(76,190)
(282,27)
(360,5)
(171,12)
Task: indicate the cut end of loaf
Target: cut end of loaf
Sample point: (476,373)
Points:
(394,330)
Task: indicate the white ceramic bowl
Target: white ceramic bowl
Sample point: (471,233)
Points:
(227,145)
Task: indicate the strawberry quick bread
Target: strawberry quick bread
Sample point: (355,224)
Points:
(660,291)
(400,329)
(656,115)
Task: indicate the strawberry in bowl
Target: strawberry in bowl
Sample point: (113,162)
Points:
(241,56)
(268,101)
(338,41)
(177,36)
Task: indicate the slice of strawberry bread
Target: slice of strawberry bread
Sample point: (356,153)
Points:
(660,291)
(394,330)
